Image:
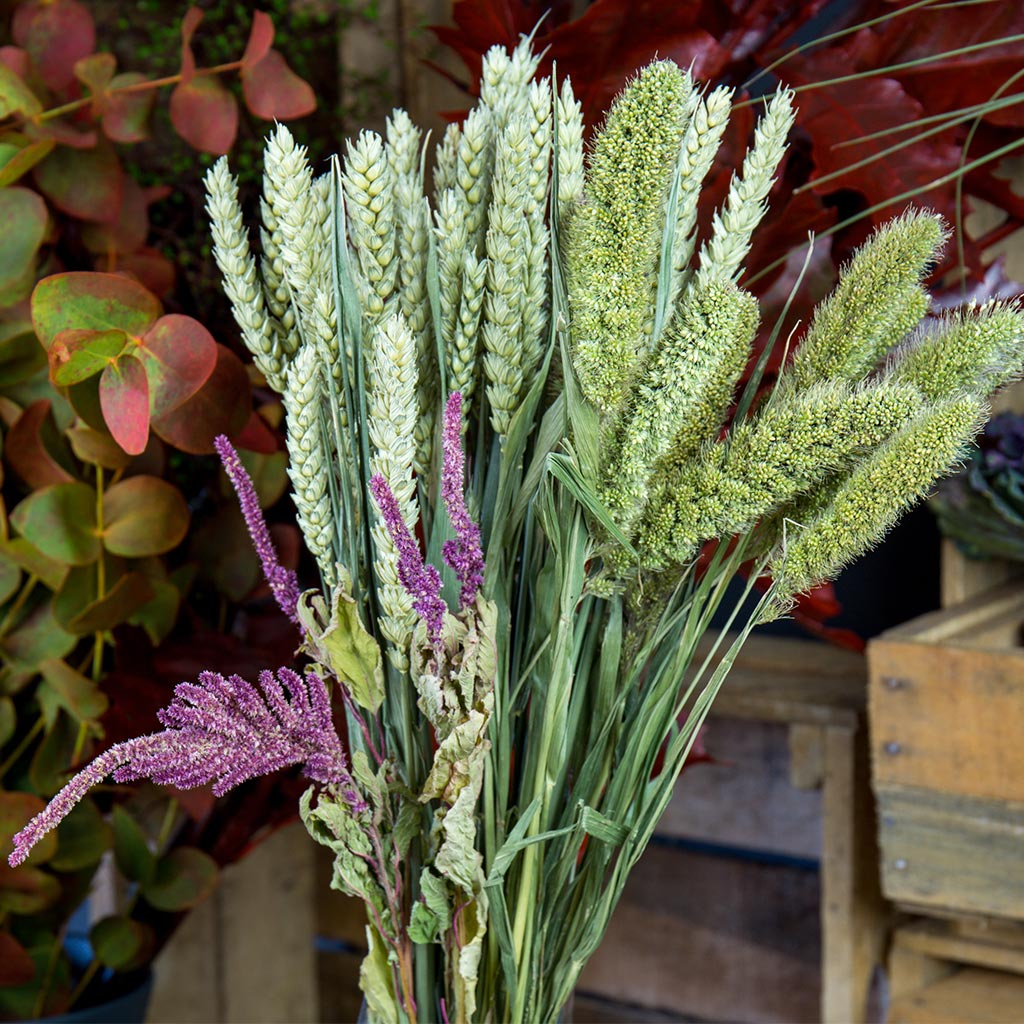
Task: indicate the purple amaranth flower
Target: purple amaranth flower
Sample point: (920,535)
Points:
(223,731)
(464,553)
(283,582)
(421,581)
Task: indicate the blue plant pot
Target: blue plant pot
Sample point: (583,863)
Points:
(128,1008)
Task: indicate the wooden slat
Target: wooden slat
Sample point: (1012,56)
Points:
(969,995)
(964,577)
(947,700)
(952,852)
(1001,949)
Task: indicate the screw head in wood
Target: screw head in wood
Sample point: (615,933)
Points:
(892,748)
(895,683)
(900,864)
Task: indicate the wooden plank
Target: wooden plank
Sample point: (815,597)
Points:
(952,852)
(715,938)
(1002,949)
(338,983)
(806,756)
(744,798)
(964,577)
(776,679)
(854,919)
(967,995)
(947,700)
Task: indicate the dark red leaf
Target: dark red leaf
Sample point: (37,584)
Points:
(189,24)
(56,33)
(126,114)
(64,133)
(128,230)
(16,966)
(179,354)
(256,436)
(27,448)
(205,114)
(87,184)
(221,406)
(261,38)
(152,268)
(124,399)
(15,59)
(274,92)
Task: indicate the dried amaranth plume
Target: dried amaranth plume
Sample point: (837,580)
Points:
(877,302)
(615,233)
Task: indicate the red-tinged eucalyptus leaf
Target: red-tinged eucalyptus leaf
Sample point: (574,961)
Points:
(122,943)
(221,406)
(158,615)
(126,113)
(15,59)
(33,561)
(63,133)
(72,691)
(143,516)
(86,183)
(16,966)
(60,520)
(17,809)
(56,33)
(77,355)
(23,220)
(274,92)
(30,444)
(128,230)
(124,399)
(130,593)
(134,858)
(151,268)
(179,354)
(25,891)
(82,838)
(96,72)
(261,38)
(205,114)
(95,448)
(256,436)
(19,154)
(189,24)
(183,879)
(15,96)
(90,301)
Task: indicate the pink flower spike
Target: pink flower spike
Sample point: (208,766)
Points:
(464,554)
(284,584)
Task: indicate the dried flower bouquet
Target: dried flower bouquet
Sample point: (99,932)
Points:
(516,646)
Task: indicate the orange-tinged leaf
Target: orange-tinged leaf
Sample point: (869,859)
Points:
(23,220)
(179,354)
(56,33)
(152,268)
(274,92)
(86,183)
(189,24)
(27,452)
(15,59)
(126,114)
(205,114)
(221,406)
(89,301)
(130,593)
(26,890)
(124,399)
(261,38)
(143,516)
(96,448)
(77,355)
(78,695)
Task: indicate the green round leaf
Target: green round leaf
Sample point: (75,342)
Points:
(183,878)
(82,838)
(77,355)
(143,516)
(87,301)
(97,449)
(130,593)
(135,860)
(26,890)
(78,695)
(205,114)
(17,160)
(23,220)
(122,943)
(15,96)
(158,615)
(85,183)
(16,811)
(37,637)
(126,114)
(8,720)
(60,521)
(10,576)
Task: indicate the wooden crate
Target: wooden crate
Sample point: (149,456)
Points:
(946,713)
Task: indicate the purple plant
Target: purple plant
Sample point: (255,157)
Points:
(463,554)
(283,582)
(422,581)
(219,730)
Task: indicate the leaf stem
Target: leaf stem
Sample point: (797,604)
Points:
(19,603)
(22,746)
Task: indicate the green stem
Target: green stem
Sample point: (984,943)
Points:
(20,749)
(12,613)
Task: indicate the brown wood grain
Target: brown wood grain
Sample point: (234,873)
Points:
(969,995)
